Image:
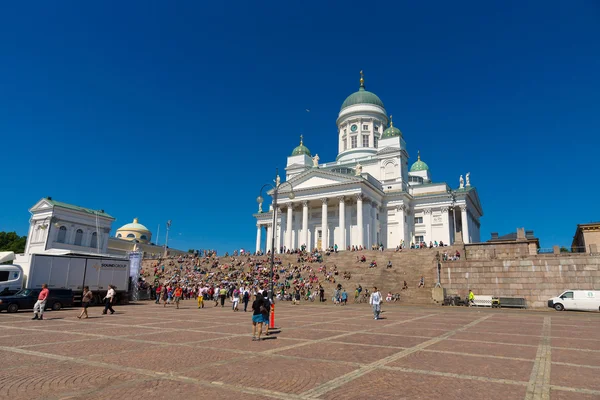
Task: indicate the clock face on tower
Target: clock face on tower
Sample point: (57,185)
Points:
(353,128)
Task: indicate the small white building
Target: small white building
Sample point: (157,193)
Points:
(367,195)
(57,225)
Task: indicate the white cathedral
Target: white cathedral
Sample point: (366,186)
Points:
(367,195)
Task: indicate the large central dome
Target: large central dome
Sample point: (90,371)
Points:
(362,96)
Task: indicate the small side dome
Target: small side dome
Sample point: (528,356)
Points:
(419,165)
(392,131)
(301,149)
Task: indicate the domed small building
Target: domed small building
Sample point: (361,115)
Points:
(367,195)
(134,231)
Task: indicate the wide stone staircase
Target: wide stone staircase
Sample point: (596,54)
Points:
(408,265)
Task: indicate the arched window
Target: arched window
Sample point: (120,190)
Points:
(62,234)
(118,235)
(144,237)
(131,235)
(78,237)
(94,241)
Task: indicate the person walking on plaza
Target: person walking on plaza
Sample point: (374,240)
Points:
(85,301)
(158,293)
(246,298)
(223,295)
(40,304)
(164,295)
(178,295)
(375,302)
(235,299)
(471,298)
(257,317)
(266,312)
(200,297)
(108,300)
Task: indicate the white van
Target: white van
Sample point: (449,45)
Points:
(11,276)
(580,300)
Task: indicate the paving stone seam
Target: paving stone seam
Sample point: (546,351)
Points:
(575,390)
(538,387)
(453,375)
(346,378)
(575,349)
(576,365)
(458,353)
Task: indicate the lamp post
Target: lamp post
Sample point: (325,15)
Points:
(259,199)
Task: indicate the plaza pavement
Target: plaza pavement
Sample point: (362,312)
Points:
(322,351)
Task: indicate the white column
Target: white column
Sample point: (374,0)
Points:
(258,232)
(342,216)
(465,224)
(374,223)
(400,218)
(446,224)
(288,236)
(324,241)
(269,237)
(427,220)
(359,219)
(304,225)
(279,237)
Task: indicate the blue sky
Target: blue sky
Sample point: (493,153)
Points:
(182,110)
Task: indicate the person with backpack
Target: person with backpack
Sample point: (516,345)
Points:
(266,310)
(246,298)
(257,317)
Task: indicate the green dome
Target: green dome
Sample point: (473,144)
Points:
(392,131)
(362,96)
(419,165)
(302,149)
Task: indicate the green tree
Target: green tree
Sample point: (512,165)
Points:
(563,249)
(10,241)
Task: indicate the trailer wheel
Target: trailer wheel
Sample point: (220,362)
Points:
(12,308)
(56,306)
(559,307)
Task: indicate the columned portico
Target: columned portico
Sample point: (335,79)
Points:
(324,240)
(342,220)
(269,237)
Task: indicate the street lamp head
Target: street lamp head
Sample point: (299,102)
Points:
(292,195)
(260,200)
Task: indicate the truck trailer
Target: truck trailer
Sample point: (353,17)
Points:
(64,269)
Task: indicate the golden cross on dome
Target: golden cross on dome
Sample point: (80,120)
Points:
(391,121)
(418,155)
(301,137)
(362,79)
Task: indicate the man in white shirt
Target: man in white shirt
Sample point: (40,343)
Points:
(108,300)
(375,302)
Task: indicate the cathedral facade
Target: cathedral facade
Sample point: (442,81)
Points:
(368,195)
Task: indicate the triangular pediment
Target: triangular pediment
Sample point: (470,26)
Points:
(387,150)
(42,205)
(316,178)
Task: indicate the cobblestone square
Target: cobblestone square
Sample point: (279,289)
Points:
(317,352)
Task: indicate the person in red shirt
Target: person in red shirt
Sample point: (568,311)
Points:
(40,304)
(178,295)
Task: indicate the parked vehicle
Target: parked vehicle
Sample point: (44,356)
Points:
(26,298)
(64,269)
(11,276)
(580,300)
